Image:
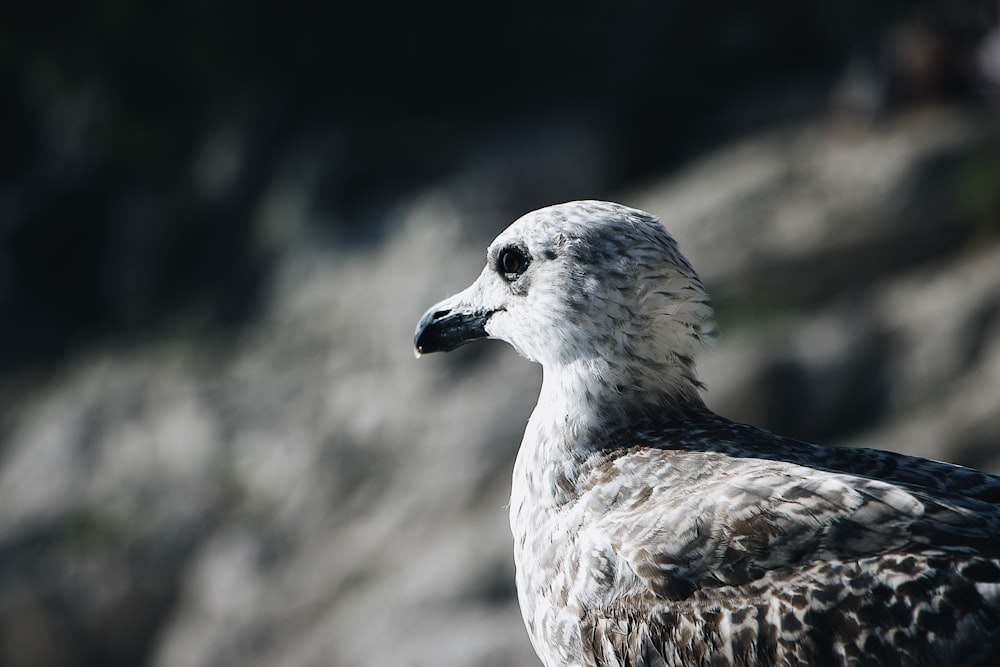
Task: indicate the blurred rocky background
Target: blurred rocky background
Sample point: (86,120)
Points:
(220,222)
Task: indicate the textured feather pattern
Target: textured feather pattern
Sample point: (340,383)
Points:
(712,549)
(649,531)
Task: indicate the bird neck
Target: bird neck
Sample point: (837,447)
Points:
(586,399)
(590,407)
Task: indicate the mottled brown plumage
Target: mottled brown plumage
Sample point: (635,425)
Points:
(650,531)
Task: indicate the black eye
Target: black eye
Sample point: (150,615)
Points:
(512,262)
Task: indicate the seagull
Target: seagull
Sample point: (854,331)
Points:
(649,531)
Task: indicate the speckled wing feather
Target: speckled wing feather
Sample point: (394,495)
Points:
(776,563)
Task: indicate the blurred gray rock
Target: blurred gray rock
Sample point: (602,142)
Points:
(856,273)
(305,493)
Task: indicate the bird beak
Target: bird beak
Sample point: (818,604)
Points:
(448,325)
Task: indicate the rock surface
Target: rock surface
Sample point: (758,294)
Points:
(302,492)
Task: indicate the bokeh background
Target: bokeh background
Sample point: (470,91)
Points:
(220,222)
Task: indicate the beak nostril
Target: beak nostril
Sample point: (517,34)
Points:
(439,314)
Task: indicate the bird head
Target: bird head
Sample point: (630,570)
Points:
(583,282)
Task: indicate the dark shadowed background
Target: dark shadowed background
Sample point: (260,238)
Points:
(220,222)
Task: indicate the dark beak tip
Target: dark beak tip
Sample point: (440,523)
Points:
(444,331)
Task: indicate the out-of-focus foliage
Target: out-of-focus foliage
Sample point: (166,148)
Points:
(139,140)
(219,223)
